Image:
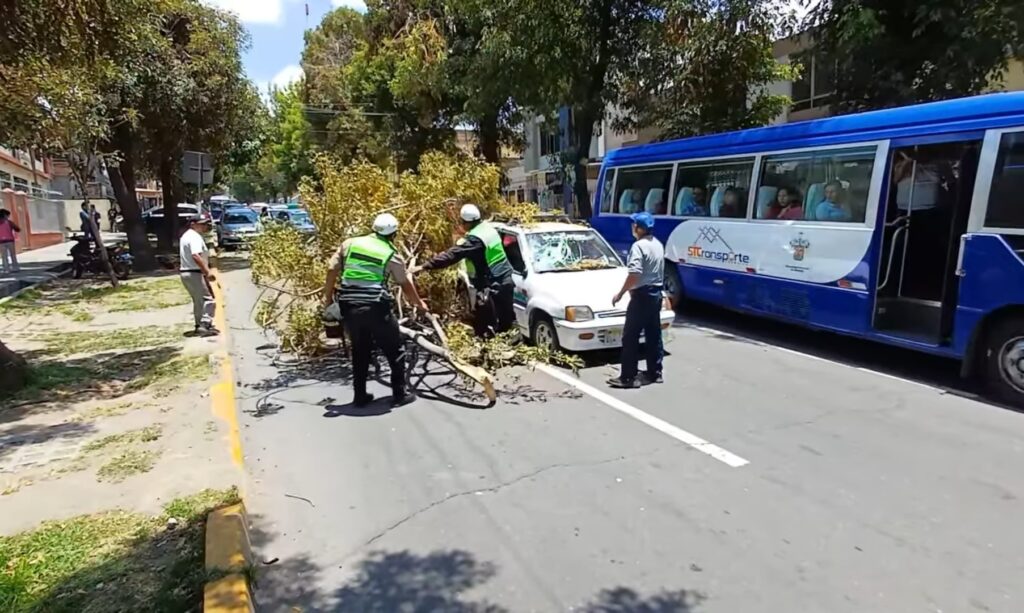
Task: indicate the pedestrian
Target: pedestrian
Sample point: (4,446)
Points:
(490,272)
(8,248)
(96,217)
(646,275)
(84,217)
(365,264)
(196,276)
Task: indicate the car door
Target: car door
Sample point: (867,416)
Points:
(512,241)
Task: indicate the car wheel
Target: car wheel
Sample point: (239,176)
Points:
(1004,361)
(543,334)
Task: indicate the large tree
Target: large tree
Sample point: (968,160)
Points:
(706,68)
(896,52)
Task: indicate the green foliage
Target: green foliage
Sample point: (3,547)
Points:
(343,205)
(503,351)
(719,55)
(896,52)
(126,464)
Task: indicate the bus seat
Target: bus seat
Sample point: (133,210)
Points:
(765,196)
(683,200)
(815,195)
(654,198)
(716,201)
(626,202)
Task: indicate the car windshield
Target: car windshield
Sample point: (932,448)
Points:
(301,219)
(568,251)
(239,218)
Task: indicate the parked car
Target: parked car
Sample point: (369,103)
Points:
(298,218)
(564,301)
(154,218)
(237,226)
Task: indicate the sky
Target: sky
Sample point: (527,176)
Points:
(276,28)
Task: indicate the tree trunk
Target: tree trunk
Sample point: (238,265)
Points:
(169,231)
(584,129)
(101,249)
(490,139)
(122,179)
(13,370)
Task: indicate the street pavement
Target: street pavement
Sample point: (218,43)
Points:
(825,475)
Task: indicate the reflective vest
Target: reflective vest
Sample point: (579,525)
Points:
(494,252)
(365,274)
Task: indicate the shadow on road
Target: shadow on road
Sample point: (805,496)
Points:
(389,581)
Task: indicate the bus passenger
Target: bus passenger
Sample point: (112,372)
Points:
(832,207)
(698,206)
(788,205)
(731,203)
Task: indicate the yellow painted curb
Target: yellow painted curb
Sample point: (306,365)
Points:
(228,550)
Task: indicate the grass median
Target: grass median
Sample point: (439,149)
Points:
(112,561)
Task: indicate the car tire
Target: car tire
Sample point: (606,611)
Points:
(1004,360)
(543,333)
(674,286)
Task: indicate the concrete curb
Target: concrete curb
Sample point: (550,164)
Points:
(229,558)
(43,276)
(228,547)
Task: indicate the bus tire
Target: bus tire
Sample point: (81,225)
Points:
(674,286)
(1004,360)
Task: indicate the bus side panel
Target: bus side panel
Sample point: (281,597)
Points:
(994,278)
(618,231)
(820,306)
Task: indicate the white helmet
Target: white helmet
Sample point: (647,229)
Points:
(470,212)
(385,224)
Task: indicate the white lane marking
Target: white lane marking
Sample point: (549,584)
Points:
(661,425)
(816,358)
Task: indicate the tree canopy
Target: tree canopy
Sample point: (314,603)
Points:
(896,52)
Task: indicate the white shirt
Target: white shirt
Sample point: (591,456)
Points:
(192,243)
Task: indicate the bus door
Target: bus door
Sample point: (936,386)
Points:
(926,211)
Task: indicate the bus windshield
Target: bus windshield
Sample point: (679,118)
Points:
(570,251)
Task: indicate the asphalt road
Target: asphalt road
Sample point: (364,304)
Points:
(814,478)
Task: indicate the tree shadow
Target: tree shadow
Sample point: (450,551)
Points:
(55,381)
(16,437)
(232,261)
(626,600)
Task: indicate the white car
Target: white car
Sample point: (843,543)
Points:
(565,299)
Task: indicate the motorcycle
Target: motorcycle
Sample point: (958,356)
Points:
(84,258)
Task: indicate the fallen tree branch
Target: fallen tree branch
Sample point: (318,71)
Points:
(481,376)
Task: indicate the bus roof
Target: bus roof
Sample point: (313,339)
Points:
(960,115)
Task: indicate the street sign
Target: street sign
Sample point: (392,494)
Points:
(196,168)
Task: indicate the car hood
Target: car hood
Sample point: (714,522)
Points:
(590,288)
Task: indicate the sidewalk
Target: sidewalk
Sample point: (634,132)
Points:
(40,265)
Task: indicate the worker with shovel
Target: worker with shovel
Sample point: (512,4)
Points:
(364,264)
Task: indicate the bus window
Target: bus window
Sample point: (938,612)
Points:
(1005,207)
(714,188)
(834,184)
(642,189)
(606,191)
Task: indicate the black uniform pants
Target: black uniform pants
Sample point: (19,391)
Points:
(498,313)
(367,326)
(643,314)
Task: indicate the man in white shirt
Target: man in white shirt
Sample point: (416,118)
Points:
(196,276)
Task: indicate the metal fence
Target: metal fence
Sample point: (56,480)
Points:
(47,215)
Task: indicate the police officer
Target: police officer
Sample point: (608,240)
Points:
(646,274)
(365,264)
(489,270)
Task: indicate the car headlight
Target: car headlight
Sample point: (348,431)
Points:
(578,313)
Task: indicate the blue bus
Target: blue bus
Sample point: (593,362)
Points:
(905,226)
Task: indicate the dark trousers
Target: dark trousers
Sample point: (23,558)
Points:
(642,315)
(369,326)
(498,313)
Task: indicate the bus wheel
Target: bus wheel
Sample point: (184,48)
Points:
(1004,361)
(674,286)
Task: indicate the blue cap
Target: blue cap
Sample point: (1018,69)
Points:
(644,220)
